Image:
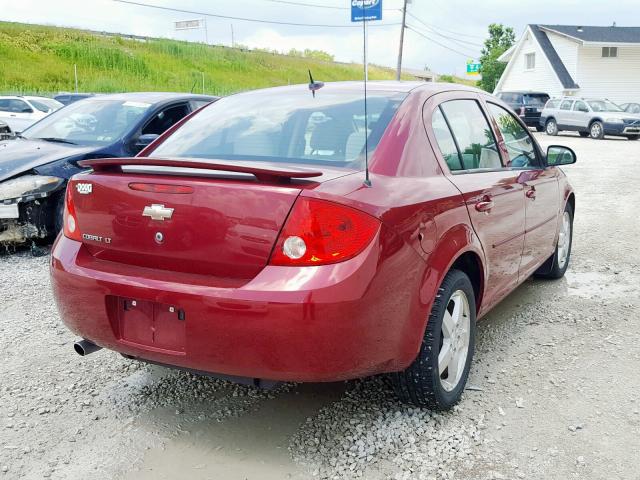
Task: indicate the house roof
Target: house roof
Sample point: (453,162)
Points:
(588,34)
(554,59)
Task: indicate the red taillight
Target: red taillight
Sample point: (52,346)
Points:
(522,111)
(319,232)
(71,228)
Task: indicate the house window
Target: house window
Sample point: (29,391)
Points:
(609,52)
(530,61)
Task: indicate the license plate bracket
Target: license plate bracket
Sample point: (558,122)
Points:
(151,324)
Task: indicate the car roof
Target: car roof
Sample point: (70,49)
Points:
(525,92)
(376,86)
(155,97)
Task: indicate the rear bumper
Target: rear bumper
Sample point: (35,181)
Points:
(334,322)
(531,120)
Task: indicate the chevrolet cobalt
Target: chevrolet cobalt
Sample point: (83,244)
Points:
(250,241)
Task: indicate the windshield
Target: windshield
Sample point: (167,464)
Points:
(604,106)
(536,100)
(89,122)
(45,105)
(286,126)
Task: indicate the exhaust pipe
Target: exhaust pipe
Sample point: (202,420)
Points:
(85,347)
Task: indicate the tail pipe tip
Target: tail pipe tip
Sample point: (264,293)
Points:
(85,347)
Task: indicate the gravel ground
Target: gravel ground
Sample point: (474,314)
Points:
(553,391)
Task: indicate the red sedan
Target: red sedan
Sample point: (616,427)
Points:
(245,241)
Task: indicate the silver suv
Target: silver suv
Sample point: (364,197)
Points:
(589,117)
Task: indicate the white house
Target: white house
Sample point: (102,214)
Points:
(601,62)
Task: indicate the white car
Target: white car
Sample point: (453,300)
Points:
(22,112)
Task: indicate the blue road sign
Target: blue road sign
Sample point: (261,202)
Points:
(366,10)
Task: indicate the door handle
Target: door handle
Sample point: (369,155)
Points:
(531,193)
(484,205)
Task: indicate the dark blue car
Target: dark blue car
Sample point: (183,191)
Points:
(35,166)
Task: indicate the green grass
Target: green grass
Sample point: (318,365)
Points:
(40,59)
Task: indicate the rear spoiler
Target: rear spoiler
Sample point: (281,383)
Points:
(267,172)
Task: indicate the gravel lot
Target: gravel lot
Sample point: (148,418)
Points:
(553,393)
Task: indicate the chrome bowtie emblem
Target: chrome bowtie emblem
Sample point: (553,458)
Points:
(157,212)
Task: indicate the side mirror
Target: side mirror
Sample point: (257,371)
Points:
(558,155)
(26,110)
(144,140)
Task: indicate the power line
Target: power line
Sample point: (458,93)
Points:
(433,27)
(462,43)
(256,20)
(316,5)
(441,44)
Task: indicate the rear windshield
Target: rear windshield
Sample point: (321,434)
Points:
(535,100)
(287,125)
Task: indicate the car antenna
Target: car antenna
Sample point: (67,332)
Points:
(367,180)
(314,86)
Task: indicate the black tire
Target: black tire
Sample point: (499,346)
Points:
(584,134)
(421,384)
(551,127)
(596,130)
(552,268)
(539,128)
(633,137)
(58,211)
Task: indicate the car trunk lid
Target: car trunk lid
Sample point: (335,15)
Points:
(186,222)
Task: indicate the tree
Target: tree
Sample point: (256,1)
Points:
(500,39)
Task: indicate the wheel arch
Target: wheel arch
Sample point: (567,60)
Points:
(470,264)
(458,248)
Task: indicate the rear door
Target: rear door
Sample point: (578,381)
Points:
(565,115)
(494,197)
(540,185)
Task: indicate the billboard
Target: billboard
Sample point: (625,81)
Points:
(366,10)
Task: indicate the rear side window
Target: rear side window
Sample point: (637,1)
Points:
(552,104)
(166,119)
(566,105)
(445,140)
(476,144)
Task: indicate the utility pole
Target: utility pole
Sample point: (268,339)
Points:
(233,42)
(404,25)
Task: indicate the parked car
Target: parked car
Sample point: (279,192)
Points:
(5,131)
(631,107)
(67,98)
(35,167)
(590,118)
(248,243)
(527,105)
(21,112)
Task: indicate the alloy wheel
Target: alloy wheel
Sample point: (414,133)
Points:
(454,340)
(564,240)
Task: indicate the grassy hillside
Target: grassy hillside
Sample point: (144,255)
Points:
(39,59)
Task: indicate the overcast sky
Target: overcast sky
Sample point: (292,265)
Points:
(458,25)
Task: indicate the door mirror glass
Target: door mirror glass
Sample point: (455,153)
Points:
(558,155)
(143,140)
